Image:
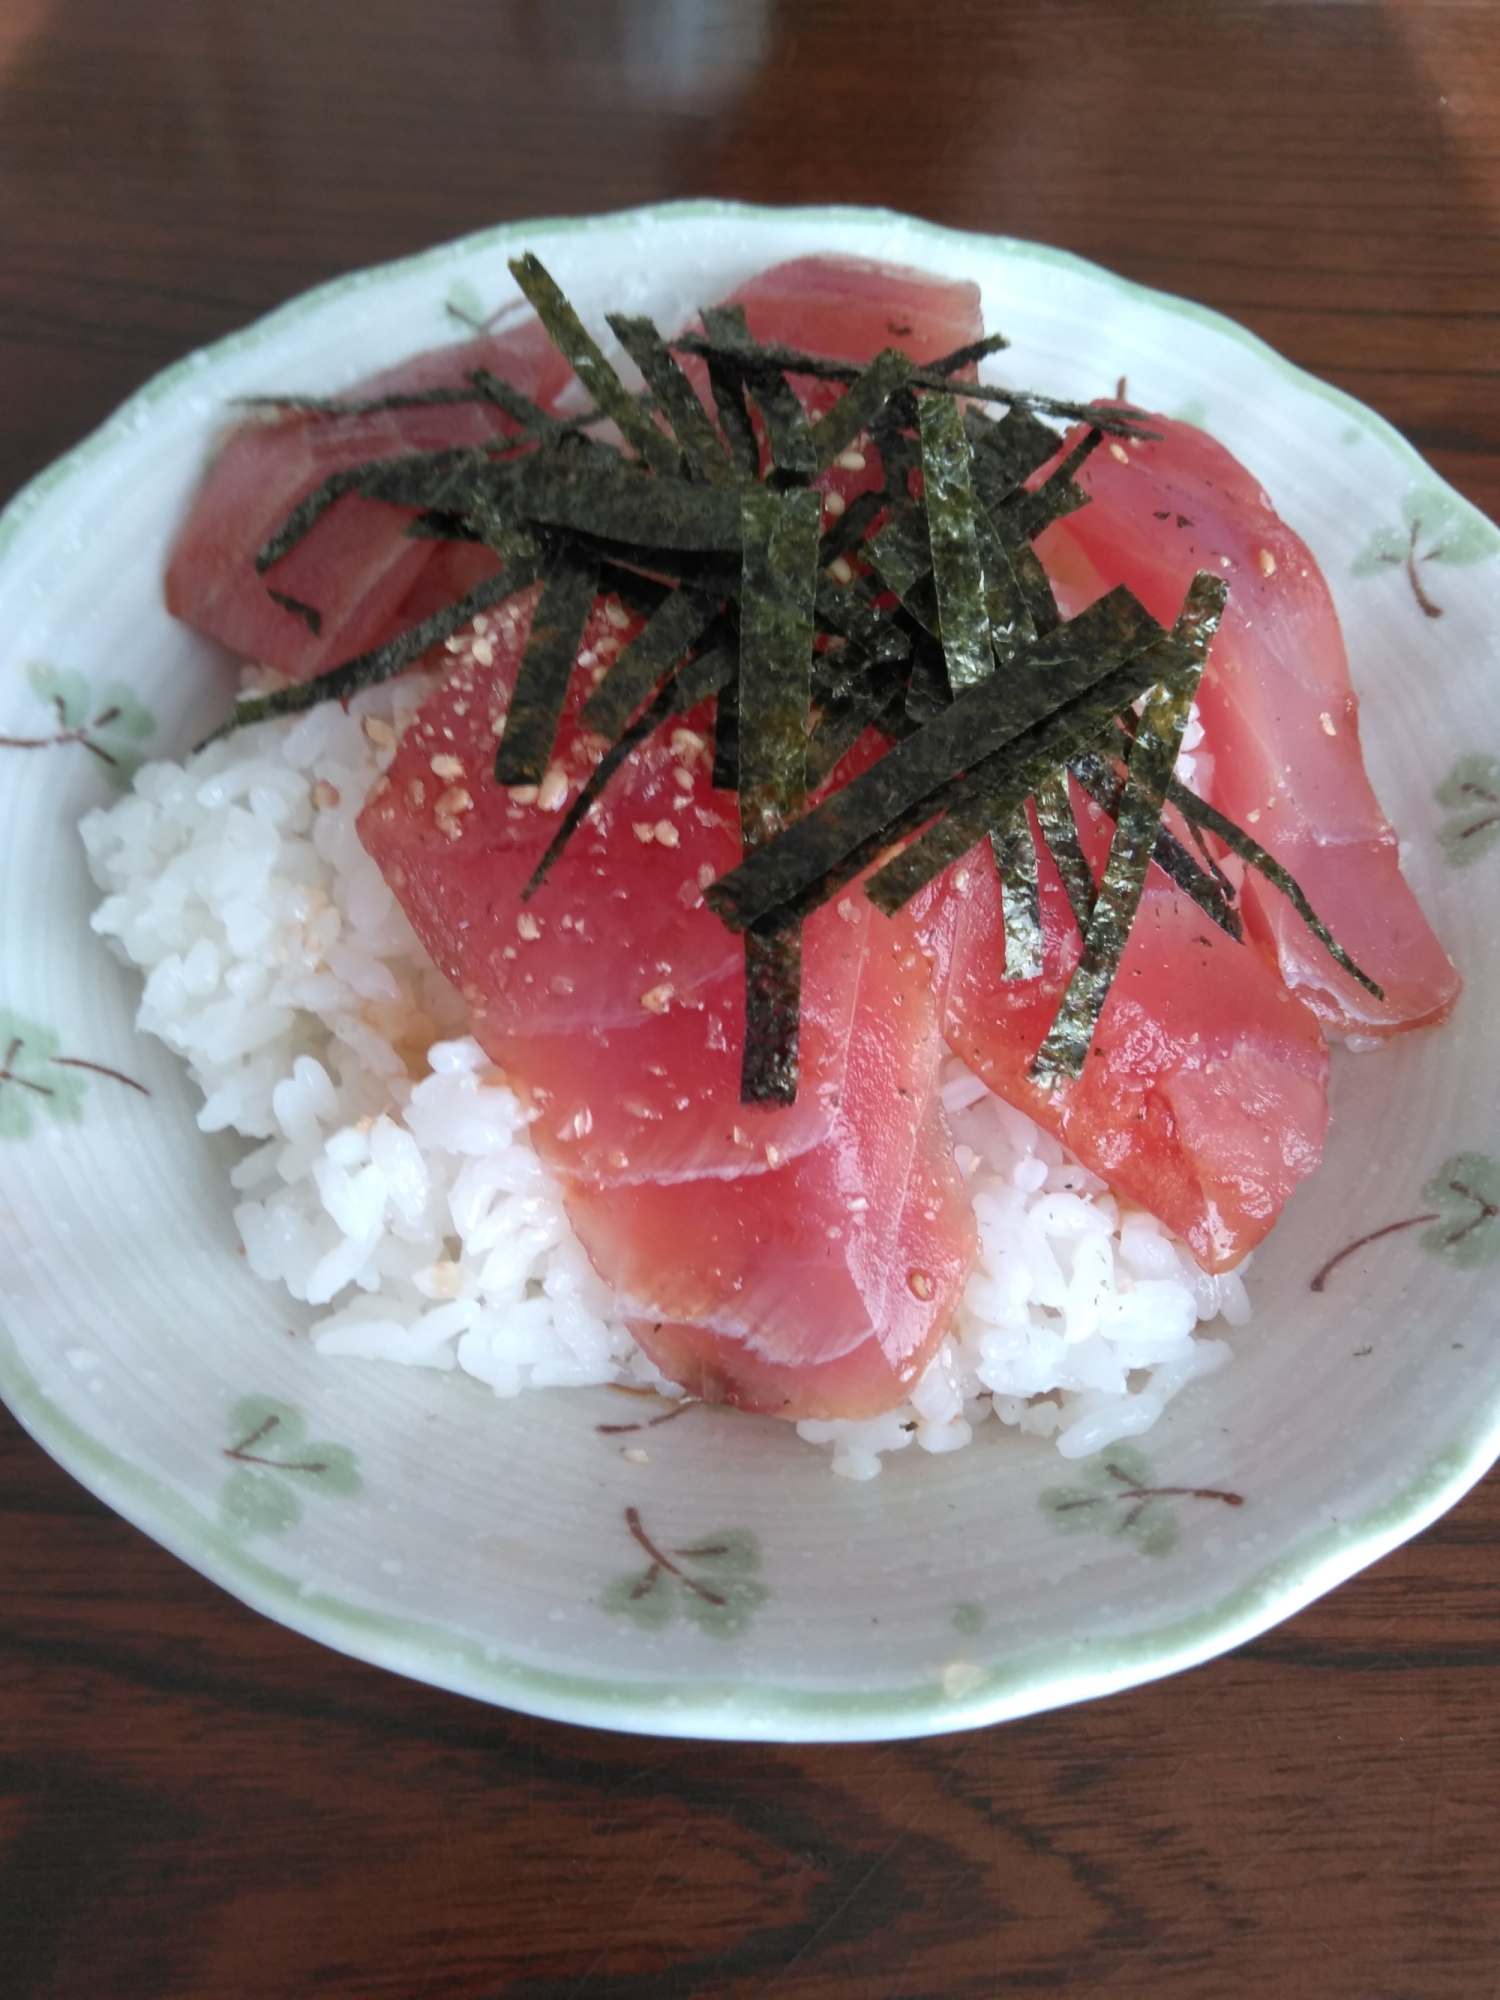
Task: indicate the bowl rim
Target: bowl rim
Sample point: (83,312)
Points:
(720,1708)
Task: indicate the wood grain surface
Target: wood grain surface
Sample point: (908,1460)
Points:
(198,1805)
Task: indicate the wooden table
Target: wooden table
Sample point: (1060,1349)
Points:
(194,1802)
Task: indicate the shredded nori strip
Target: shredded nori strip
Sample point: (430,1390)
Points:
(776,639)
(981,721)
(1011,622)
(682,690)
(1148,772)
(846,608)
(1008,452)
(1198,812)
(726,773)
(901,552)
(1024,515)
(848,528)
(859,406)
(310,615)
(605,496)
(775,681)
(676,624)
(572,338)
(536,703)
(675,396)
(787,430)
(848,712)
(773,1016)
(384,662)
(1015,859)
(1208,887)
(953,537)
(1054,812)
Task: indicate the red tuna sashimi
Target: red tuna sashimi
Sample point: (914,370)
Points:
(800,1261)
(1204,1096)
(358,569)
(1281,720)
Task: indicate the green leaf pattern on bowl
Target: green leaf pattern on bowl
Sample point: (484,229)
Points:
(273,1455)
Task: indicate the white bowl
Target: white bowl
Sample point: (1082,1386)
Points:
(488,1546)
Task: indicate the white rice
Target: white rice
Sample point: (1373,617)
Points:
(395,1183)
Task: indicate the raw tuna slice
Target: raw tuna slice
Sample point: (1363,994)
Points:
(801,1261)
(1204,1097)
(357,569)
(1281,720)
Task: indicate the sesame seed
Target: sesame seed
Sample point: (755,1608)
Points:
(666,833)
(920,1284)
(378,732)
(841,570)
(705,874)
(527,927)
(682,777)
(1330,727)
(851,460)
(444,766)
(1265,562)
(454,800)
(636,1456)
(1253,815)
(416,792)
(643,830)
(775,1156)
(484,652)
(1118,451)
(833,504)
(616,613)
(687,743)
(553,790)
(657,999)
(325,796)
(523,795)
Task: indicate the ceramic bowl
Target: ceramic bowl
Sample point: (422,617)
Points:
(501,1548)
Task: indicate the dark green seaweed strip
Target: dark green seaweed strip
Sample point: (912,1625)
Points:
(1054,812)
(726,379)
(1197,812)
(1208,887)
(1120,421)
(1032,583)
(981,721)
(848,712)
(438,525)
(310,615)
(572,339)
(541,689)
(901,552)
(681,691)
(339,406)
(306,515)
(605,496)
(773,1016)
(953,537)
(848,529)
(857,409)
(384,662)
(1008,452)
(966,356)
(927,689)
(674,626)
(1012,625)
(846,608)
(726,774)
(1025,515)
(1148,772)
(780,571)
(535,422)
(675,396)
(787,428)
(780,567)
(421,480)
(1015,858)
